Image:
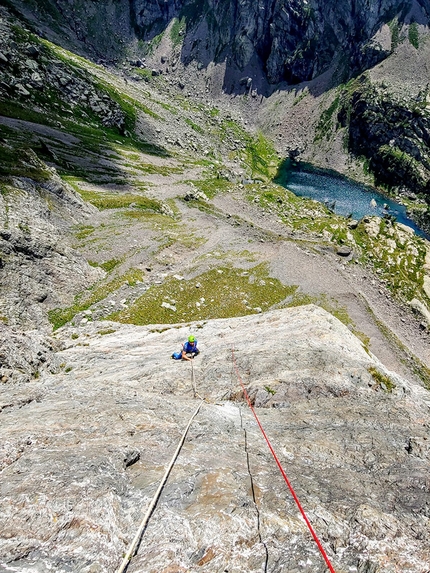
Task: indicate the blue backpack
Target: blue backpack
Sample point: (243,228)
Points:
(177,355)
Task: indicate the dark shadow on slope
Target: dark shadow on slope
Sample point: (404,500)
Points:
(275,47)
(285,47)
(54,108)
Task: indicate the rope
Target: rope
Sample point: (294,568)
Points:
(154,500)
(193,379)
(284,475)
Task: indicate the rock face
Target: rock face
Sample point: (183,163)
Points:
(82,452)
(26,68)
(392,132)
(287,41)
(39,270)
(37,260)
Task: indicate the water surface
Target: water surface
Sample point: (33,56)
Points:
(347,198)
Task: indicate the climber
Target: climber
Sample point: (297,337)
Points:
(189,350)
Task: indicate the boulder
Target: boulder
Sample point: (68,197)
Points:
(344,251)
(421,308)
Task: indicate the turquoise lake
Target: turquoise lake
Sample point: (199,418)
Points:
(346,197)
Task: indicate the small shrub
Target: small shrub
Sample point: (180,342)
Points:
(269,390)
(381,380)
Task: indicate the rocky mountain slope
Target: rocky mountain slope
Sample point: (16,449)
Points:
(140,191)
(83,452)
(135,146)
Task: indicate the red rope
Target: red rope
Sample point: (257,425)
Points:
(284,475)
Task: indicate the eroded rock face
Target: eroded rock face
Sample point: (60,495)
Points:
(288,41)
(28,66)
(39,270)
(82,452)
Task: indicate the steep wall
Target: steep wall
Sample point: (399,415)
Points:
(287,41)
(290,41)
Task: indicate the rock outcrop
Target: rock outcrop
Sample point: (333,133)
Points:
(31,72)
(282,41)
(286,41)
(82,452)
(39,269)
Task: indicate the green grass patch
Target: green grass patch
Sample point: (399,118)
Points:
(381,380)
(300,97)
(413,35)
(212,186)
(84,231)
(152,45)
(152,169)
(145,73)
(194,126)
(120,201)
(223,292)
(395,28)
(19,161)
(106,331)
(177,31)
(61,316)
(169,230)
(326,124)
(110,265)
(261,157)
(407,358)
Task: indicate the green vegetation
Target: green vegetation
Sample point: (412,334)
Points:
(397,258)
(413,35)
(145,73)
(395,28)
(269,390)
(381,380)
(261,157)
(106,331)
(194,125)
(256,151)
(411,361)
(19,160)
(212,186)
(110,265)
(152,45)
(325,126)
(84,231)
(177,31)
(222,292)
(300,97)
(120,201)
(61,316)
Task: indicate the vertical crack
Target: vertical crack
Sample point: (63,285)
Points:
(257,511)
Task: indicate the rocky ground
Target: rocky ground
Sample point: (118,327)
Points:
(134,198)
(83,452)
